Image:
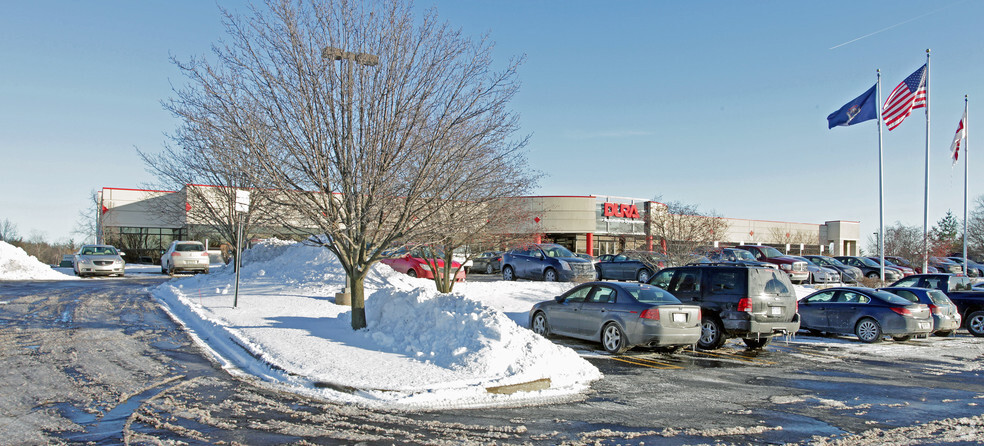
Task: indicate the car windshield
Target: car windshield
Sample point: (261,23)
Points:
(427,252)
(833,261)
(649,294)
(900,261)
(771,252)
(868,262)
(99,251)
(556,251)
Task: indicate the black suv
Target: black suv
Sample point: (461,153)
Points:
(750,302)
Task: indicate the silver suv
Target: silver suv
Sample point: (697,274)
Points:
(751,302)
(184,256)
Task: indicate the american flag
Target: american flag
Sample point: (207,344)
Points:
(908,95)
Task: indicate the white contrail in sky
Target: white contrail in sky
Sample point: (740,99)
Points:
(890,27)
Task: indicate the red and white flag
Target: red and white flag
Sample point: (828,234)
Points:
(909,95)
(959,140)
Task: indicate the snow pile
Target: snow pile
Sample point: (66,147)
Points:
(421,349)
(16,264)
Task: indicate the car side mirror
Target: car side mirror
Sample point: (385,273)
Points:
(559,299)
(122,253)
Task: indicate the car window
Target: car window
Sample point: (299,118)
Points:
(652,295)
(851,297)
(557,251)
(685,281)
(821,297)
(620,258)
(938,298)
(905,294)
(908,281)
(727,281)
(769,281)
(962,284)
(578,294)
(602,294)
(891,298)
(186,247)
(662,279)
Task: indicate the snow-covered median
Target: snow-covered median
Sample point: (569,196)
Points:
(422,349)
(16,264)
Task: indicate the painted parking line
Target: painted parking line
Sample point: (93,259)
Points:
(804,351)
(646,362)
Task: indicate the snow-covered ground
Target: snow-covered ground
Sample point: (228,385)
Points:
(16,264)
(422,349)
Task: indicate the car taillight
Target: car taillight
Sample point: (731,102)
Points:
(204,254)
(935,309)
(650,313)
(699,314)
(745,304)
(902,311)
(175,254)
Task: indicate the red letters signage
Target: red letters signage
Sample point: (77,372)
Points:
(621,210)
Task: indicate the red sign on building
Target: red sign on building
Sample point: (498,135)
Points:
(621,210)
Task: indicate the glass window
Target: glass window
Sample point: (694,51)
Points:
(578,294)
(851,297)
(938,298)
(908,281)
(727,281)
(825,296)
(685,281)
(602,294)
(649,294)
(663,278)
(905,294)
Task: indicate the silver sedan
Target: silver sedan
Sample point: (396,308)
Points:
(103,260)
(620,316)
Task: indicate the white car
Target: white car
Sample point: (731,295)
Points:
(185,256)
(98,260)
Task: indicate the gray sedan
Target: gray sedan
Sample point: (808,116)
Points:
(867,313)
(946,317)
(104,260)
(620,316)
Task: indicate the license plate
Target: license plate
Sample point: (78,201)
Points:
(924,325)
(679,317)
(776,311)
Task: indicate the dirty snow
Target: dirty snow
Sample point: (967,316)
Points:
(422,349)
(16,264)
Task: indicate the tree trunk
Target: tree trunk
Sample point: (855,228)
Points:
(358,301)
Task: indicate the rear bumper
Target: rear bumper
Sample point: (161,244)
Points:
(666,336)
(747,328)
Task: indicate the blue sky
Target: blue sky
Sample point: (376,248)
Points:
(717,103)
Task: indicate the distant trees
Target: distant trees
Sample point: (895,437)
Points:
(682,228)
(369,123)
(8,231)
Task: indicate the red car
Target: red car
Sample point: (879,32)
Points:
(415,263)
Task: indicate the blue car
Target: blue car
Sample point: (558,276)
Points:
(548,262)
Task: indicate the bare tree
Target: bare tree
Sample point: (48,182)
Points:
(682,229)
(975,228)
(8,231)
(363,118)
(87,222)
(900,240)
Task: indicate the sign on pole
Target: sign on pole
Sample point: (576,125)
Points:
(242,201)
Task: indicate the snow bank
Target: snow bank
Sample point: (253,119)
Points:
(15,264)
(421,349)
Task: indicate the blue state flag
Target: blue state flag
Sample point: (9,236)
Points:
(862,108)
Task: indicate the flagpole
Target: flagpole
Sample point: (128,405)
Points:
(966,141)
(881,182)
(925,264)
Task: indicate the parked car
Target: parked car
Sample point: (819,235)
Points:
(849,274)
(902,261)
(870,268)
(946,317)
(906,271)
(620,316)
(749,302)
(66,261)
(98,260)
(420,262)
(945,265)
(970,303)
(730,256)
(974,269)
(795,268)
(629,265)
(548,261)
(867,313)
(489,262)
(820,274)
(184,255)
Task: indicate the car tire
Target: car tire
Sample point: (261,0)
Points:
(163,269)
(489,269)
(756,343)
(814,332)
(170,270)
(868,330)
(644,275)
(549,275)
(712,335)
(539,324)
(975,323)
(902,338)
(613,339)
(412,272)
(508,274)
(873,275)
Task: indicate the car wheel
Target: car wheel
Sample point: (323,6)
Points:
(412,272)
(613,339)
(550,275)
(975,323)
(163,269)
(901,338)
(539,324)
(489,269)
(507,273)
(170,270)
(206,270)
(756,343)
(814,332)
(868,330)
(643,275)
(711,334)
(944,333)
(873,275)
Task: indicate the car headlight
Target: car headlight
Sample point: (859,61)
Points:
(85,261)
(425,267)
(786,266)
(565,265)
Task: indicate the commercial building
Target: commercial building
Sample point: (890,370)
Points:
(146,221)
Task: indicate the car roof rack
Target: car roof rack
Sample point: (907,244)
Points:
(738,263)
